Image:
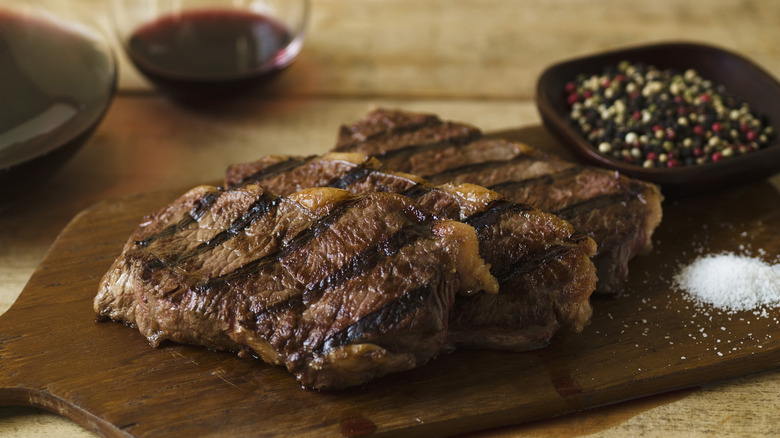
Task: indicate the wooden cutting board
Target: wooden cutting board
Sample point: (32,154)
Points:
(106,377)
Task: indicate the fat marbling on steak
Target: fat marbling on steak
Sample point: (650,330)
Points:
(543,266)
(618,212)
(338,288)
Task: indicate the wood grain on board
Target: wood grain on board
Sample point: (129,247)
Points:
(654,339)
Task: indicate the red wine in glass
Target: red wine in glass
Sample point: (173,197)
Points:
(210,53)
(55,86)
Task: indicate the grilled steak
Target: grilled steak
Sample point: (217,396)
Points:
(544,268)
(619,213)
(338,288)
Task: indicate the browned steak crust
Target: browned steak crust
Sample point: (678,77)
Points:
(619,213)
(544,269)
(338,288)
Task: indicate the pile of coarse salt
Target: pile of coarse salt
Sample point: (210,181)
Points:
(731,282)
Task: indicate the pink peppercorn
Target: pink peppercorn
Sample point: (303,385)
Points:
(672,129)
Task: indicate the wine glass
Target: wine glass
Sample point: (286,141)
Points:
(201,49)
(58,77)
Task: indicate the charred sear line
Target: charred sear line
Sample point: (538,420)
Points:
(148,267)
(358,173)
(493,213)
(409,150)
(417,191)
(397,129)
(418,215)
(281,306)
(531,262)
(200,208)
(265,204)
(275,170)
(367,260)
(453,172)
(542,180)
(373,323)
(594,203)
(296,243)
(204,204)
(578,237)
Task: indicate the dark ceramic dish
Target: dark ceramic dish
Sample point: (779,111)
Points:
(742,79)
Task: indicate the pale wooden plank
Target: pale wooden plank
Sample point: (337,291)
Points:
(491,49)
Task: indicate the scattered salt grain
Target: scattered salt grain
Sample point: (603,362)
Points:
(731,282)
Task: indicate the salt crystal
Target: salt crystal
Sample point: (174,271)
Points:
(731,282)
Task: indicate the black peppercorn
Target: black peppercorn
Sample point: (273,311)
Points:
(639,114)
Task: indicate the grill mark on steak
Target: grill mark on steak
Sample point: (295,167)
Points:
(453,172)
(622,234)
(368,259)
(566,279)
(264,205)
(277,168)
(391,318)
(357,265)
(295,244)
(541,180)
(364,170)
(594,203)
(373,322)
(412,149)
(493,213)
(356,174)
(200,208)
(531,262)
(417,191)
(390,131)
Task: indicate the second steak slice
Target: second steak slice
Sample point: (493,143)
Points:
(618,212)
(543,267)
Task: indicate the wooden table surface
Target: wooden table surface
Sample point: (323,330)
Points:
(472,60)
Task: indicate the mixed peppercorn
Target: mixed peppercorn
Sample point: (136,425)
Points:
(642,115)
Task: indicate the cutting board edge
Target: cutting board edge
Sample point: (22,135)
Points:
(42,399)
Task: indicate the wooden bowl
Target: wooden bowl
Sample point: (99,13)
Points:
(741,77)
